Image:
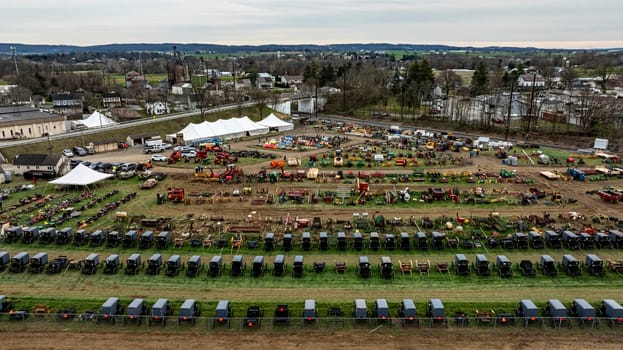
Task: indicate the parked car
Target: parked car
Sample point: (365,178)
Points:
(68,153)
(159,158)
(127,167)
(189,154)
(184,148)
(80,151)
(122,144)
(167,146)
(104,167)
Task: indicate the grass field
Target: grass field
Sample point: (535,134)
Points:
(153,79)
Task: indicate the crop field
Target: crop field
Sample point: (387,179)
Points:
(211,212)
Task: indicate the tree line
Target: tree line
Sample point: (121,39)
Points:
(352,81)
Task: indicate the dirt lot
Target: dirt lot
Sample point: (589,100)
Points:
(349,339)
(486,162)
(419,339)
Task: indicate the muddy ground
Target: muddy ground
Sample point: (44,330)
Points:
(419,339)
(586,205)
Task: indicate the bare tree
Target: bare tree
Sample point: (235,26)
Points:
(567,76)
(449,81)
(259,97)
(605,73)
(589,111)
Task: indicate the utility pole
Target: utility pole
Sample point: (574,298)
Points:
(510,107)
(315,99)
(233,72)
(531,108)
(50,143)
(140,63)
(344,90)
(15,61)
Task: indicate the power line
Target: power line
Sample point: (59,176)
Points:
(15,61)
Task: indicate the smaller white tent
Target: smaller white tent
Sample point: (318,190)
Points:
(273,122)
(81,175)
(95,120)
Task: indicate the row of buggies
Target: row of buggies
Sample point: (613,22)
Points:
(593,264)
(96,238)
(374,241)
(134,264)
(91,264)
(553,312)
(557,240)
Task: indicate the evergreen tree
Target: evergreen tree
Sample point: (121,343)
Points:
(480,80)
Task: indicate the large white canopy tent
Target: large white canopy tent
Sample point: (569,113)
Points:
(274,122)
(222,129)
(95,120)
(81,175)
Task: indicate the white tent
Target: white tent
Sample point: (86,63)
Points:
(192,131)
(81,175)
(249,126)
(221,129)
(273,122)
(95,120)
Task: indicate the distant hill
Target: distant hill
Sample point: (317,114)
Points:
(25,49)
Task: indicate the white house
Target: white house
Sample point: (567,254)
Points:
(156,108)
(265,81)
(181,88)
(527,80)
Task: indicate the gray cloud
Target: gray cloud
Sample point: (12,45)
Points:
(552,23)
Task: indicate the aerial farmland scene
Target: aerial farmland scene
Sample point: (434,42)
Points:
(241,175)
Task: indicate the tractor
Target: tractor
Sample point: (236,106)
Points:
(174,157)
(176,194)
(224,158)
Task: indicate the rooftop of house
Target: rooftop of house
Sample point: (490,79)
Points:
(66,96)
(23,113)
(37,159)
(111,94)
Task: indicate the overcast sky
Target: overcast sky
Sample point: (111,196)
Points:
(540,23)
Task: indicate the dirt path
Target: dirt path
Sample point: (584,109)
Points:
(361,340)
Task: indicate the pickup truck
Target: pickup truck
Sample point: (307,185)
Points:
(153,149)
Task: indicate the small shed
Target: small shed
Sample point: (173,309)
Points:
(139,139)
(106,145)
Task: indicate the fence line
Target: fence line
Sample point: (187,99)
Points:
(20,317)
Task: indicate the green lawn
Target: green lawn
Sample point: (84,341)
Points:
(153,78)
